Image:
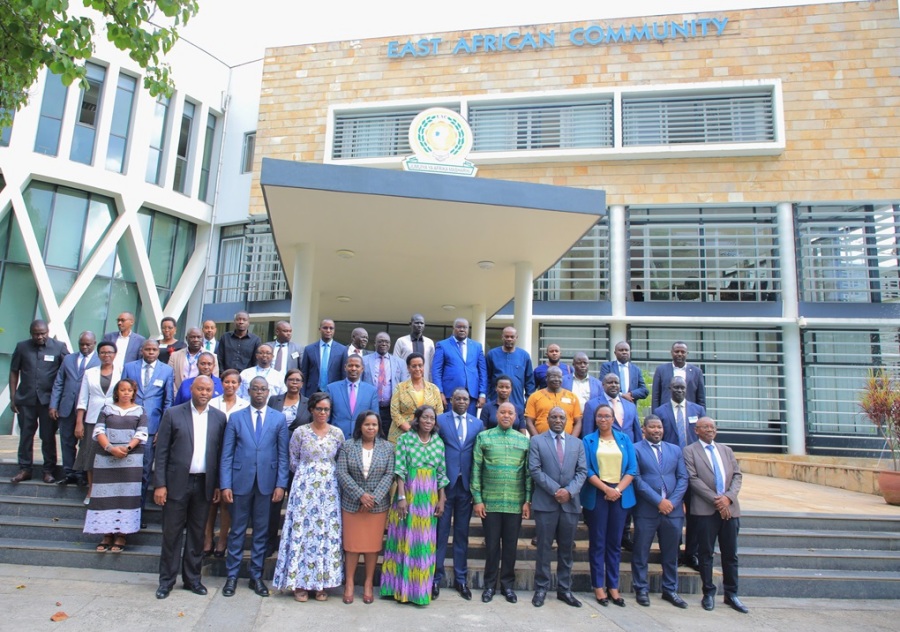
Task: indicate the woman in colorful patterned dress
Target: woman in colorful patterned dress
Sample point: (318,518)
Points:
(421,476)
(310,557)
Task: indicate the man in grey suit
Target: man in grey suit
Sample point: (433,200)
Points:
(416,342)
(287,353)
(64,396)
(659,486)
(558,468)
(186,481)
(384,371)
(715,481)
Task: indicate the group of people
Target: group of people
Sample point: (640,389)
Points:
(334,445)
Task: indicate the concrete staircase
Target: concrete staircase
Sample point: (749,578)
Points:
(781,554)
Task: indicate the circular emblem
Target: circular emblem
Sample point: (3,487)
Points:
(440,134)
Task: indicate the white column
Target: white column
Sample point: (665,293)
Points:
(523,316)
(479,323)
(791,343)
(618,274)
(303,303)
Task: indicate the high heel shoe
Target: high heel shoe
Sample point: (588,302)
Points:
(603,601)
(619,601)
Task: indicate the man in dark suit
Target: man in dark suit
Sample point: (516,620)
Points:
(384,371)
(459,362)
(253,475)
(693,377)
(32,371)
(351,396)
(558,468)
(156,393)
(327,353)
(458,430)
(660,485)
(128,343)
(236,349)
(715,481)
(287,352)
(186,481)
(626,413)
(64,396)
(631,378)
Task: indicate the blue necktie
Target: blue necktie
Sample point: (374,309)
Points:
(623,378)
(323,369)
(459,428)
(720,480)
(81,366)
(258,425)
(658,449)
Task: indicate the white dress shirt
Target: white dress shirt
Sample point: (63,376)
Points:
(201,424)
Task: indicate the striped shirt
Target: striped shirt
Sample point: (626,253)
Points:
(500,477)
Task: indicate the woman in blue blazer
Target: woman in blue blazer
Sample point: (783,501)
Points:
(606,498)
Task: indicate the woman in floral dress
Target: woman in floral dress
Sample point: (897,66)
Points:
(310,557)
(408,568)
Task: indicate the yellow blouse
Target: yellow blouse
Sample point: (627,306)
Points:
(609,461)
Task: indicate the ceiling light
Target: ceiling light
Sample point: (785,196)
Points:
(345,254)
(343,299)
(486,265)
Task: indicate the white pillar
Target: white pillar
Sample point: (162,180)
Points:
(791,343)
(303,318)
(479,323)
(618,274)
(523,316)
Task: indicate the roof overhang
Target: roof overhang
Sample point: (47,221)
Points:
(418,241)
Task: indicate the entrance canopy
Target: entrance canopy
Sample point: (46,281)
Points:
(381,245)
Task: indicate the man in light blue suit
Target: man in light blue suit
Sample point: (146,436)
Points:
(458,430)
(155,392)
(660,485)
(586,387)
(633,388)
(384,380)
(351,396)
(316,378)
(64,396)
(459,363)
(253,475)
(625,412)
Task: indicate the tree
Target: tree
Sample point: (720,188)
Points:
(38,33)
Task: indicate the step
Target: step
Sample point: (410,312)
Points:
(799,583)
(67,530)
(818,559)
(827,539)
(72,508)
(818,522)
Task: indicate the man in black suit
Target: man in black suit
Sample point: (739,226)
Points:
(678,367)
(32,371)
(186,480)
(558,468)
(323,360)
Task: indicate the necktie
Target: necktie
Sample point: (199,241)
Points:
(623,378)
(146,375)
(679,420)
(278,357)
(658,449)
(462,349)
(81,365)
(382,382)
(617,408)
(258,425)
(560,454)
(323,367)
(208,345)
(460,429)
(352,397)
(720,480)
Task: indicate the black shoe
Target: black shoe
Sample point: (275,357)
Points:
(463,591)
(692,561)
(627,542)
(163,591)
(642,598)
(82,481)
(734,602)
(197,589)
(68,479)
(510,595)
(568,598)
(143,525)
(674,599)
(709,601)
(487,595)
(435,591)
(538,600)
(257,586)
(229,587)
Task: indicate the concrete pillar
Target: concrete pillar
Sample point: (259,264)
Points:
(618,274)
(304,303)
(523,317)
(478,324)
(791,342)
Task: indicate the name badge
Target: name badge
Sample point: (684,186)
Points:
(295,355)
(692,420)
(158,383)
(566,400)
(49,358)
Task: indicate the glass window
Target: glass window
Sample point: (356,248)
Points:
(39,203)
(6,132)
(184,148)
(582,274)
(121,124)
(63,246)
(249,149)
(101,214)
(157,140)
(53,105)
(88,115)
(554,125)
(206,166)
(91,311)
(162,245)
(170,243)
(18,300)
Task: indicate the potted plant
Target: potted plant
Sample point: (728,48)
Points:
(880,402)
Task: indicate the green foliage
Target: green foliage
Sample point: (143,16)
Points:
(38,33)
(645,406)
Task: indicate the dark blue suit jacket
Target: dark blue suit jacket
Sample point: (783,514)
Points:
(636,385)
(458,457)
(67,384)
(159,394)
(648,483)
(449,372)
(246,463)
(135,342)
(696,389)
(693,412)
(309,365)
(596,386)
(631,425)
(366,399)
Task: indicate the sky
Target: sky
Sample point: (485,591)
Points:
(234,34)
